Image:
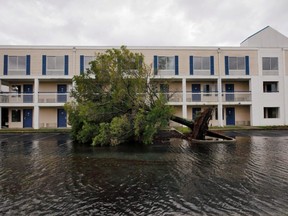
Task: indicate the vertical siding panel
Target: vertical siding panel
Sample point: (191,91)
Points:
(211,65)
(176,65)
(66,65)
(155,65)
(28,61)
(226,65)
(191,64)
(43,64)
(5,64)
(81,64)
(247,65)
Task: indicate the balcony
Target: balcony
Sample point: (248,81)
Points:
(53,97)
(19,98)
(202,97)
(174,96)
(236,96)
(13,97)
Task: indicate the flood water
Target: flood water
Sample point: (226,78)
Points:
(45,174)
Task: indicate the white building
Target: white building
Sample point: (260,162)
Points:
(246,85)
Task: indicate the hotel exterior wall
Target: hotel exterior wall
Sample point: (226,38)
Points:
(48,118)
(178,112)
(253,59)
(242,115)
(183,55)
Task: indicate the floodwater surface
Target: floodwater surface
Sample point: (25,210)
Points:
(46,174)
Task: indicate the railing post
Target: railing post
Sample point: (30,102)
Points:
(184,99)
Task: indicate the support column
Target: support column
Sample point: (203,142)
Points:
(36,117)
(0,117)
(219,87)
(36,106)
(1,107)
(184,102)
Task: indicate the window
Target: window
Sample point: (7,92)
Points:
(166,63)
(271,112)
(236,63)
(55,63)
(270,63)
(87,60)
(17,63)
(201,63)
(270,86)
(16,115)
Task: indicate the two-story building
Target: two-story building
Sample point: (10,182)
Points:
(245,85)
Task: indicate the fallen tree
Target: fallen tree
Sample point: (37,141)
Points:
(115,101)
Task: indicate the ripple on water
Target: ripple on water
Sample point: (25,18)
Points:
(44,174)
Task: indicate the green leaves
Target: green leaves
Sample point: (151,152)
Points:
(114,102)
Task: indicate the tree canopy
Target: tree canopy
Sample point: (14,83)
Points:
(114,101)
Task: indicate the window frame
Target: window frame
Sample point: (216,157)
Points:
(268,112)
(268,60)
(86,63)
(55,69)
(168,66)
(200,60)
(17,68)
(266,88)
(15,115)
(236,63)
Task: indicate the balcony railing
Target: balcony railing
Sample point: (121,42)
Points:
(13,97)
(236,96)
(53,97)
(209,96)
(202,96)
(174,96)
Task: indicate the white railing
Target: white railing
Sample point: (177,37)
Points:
(174,96)
(12,97)
(236,96)
(53,97)
(202,96)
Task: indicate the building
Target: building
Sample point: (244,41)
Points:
(246,85)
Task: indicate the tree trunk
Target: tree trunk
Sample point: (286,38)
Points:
(199,127)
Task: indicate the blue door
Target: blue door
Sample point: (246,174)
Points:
(196,92)
(61,118)
(27,118)
(62,93)
(230,116)
(28,93)
(229,92)
(195,112)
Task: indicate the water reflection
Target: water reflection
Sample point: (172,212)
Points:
(47,174)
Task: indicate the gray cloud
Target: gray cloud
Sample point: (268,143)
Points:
(135,22)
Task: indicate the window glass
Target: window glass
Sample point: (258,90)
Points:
(55,62)
(270,86)
(232,63)
(274,63)
(270,63)
(22,62)
(87,60)
(166,63)
(17,63)
(236,63)
(206,63)
(271,112)
(201,63)
(16,115)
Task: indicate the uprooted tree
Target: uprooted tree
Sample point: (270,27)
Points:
(114,102)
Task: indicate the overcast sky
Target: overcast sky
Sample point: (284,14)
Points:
(138,22)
